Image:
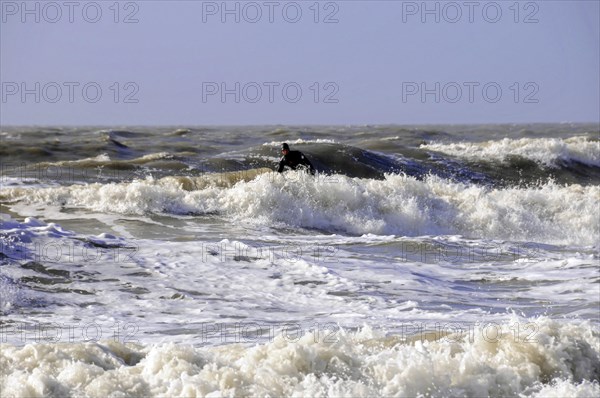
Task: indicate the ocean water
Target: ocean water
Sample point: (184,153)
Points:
(432,261)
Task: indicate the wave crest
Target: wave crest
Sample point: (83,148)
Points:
(545,151)
(397,205)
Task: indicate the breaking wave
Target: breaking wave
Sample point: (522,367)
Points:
(549,152)
(560,360)
(398,204)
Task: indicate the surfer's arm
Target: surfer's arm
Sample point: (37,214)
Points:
(281,164)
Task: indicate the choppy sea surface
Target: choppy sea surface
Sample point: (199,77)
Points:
(419,261)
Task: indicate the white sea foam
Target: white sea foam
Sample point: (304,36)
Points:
(186,283)
(192,288)
(566,388)
(546,151)
(184,269)
(398,205)
(302,141)
(563,358)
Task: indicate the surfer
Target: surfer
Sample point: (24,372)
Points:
(293,159)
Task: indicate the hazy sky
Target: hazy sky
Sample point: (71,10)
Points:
(303,62)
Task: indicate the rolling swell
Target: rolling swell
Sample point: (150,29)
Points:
(494,156)
(386,181)
(526,160)
(383,183)
(502,170)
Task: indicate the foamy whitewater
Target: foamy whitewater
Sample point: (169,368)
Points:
(420,261)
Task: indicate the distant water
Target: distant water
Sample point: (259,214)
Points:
(419,261)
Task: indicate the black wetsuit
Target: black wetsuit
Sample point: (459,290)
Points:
(294,159)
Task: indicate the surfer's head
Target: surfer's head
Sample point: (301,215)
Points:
(285,148)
